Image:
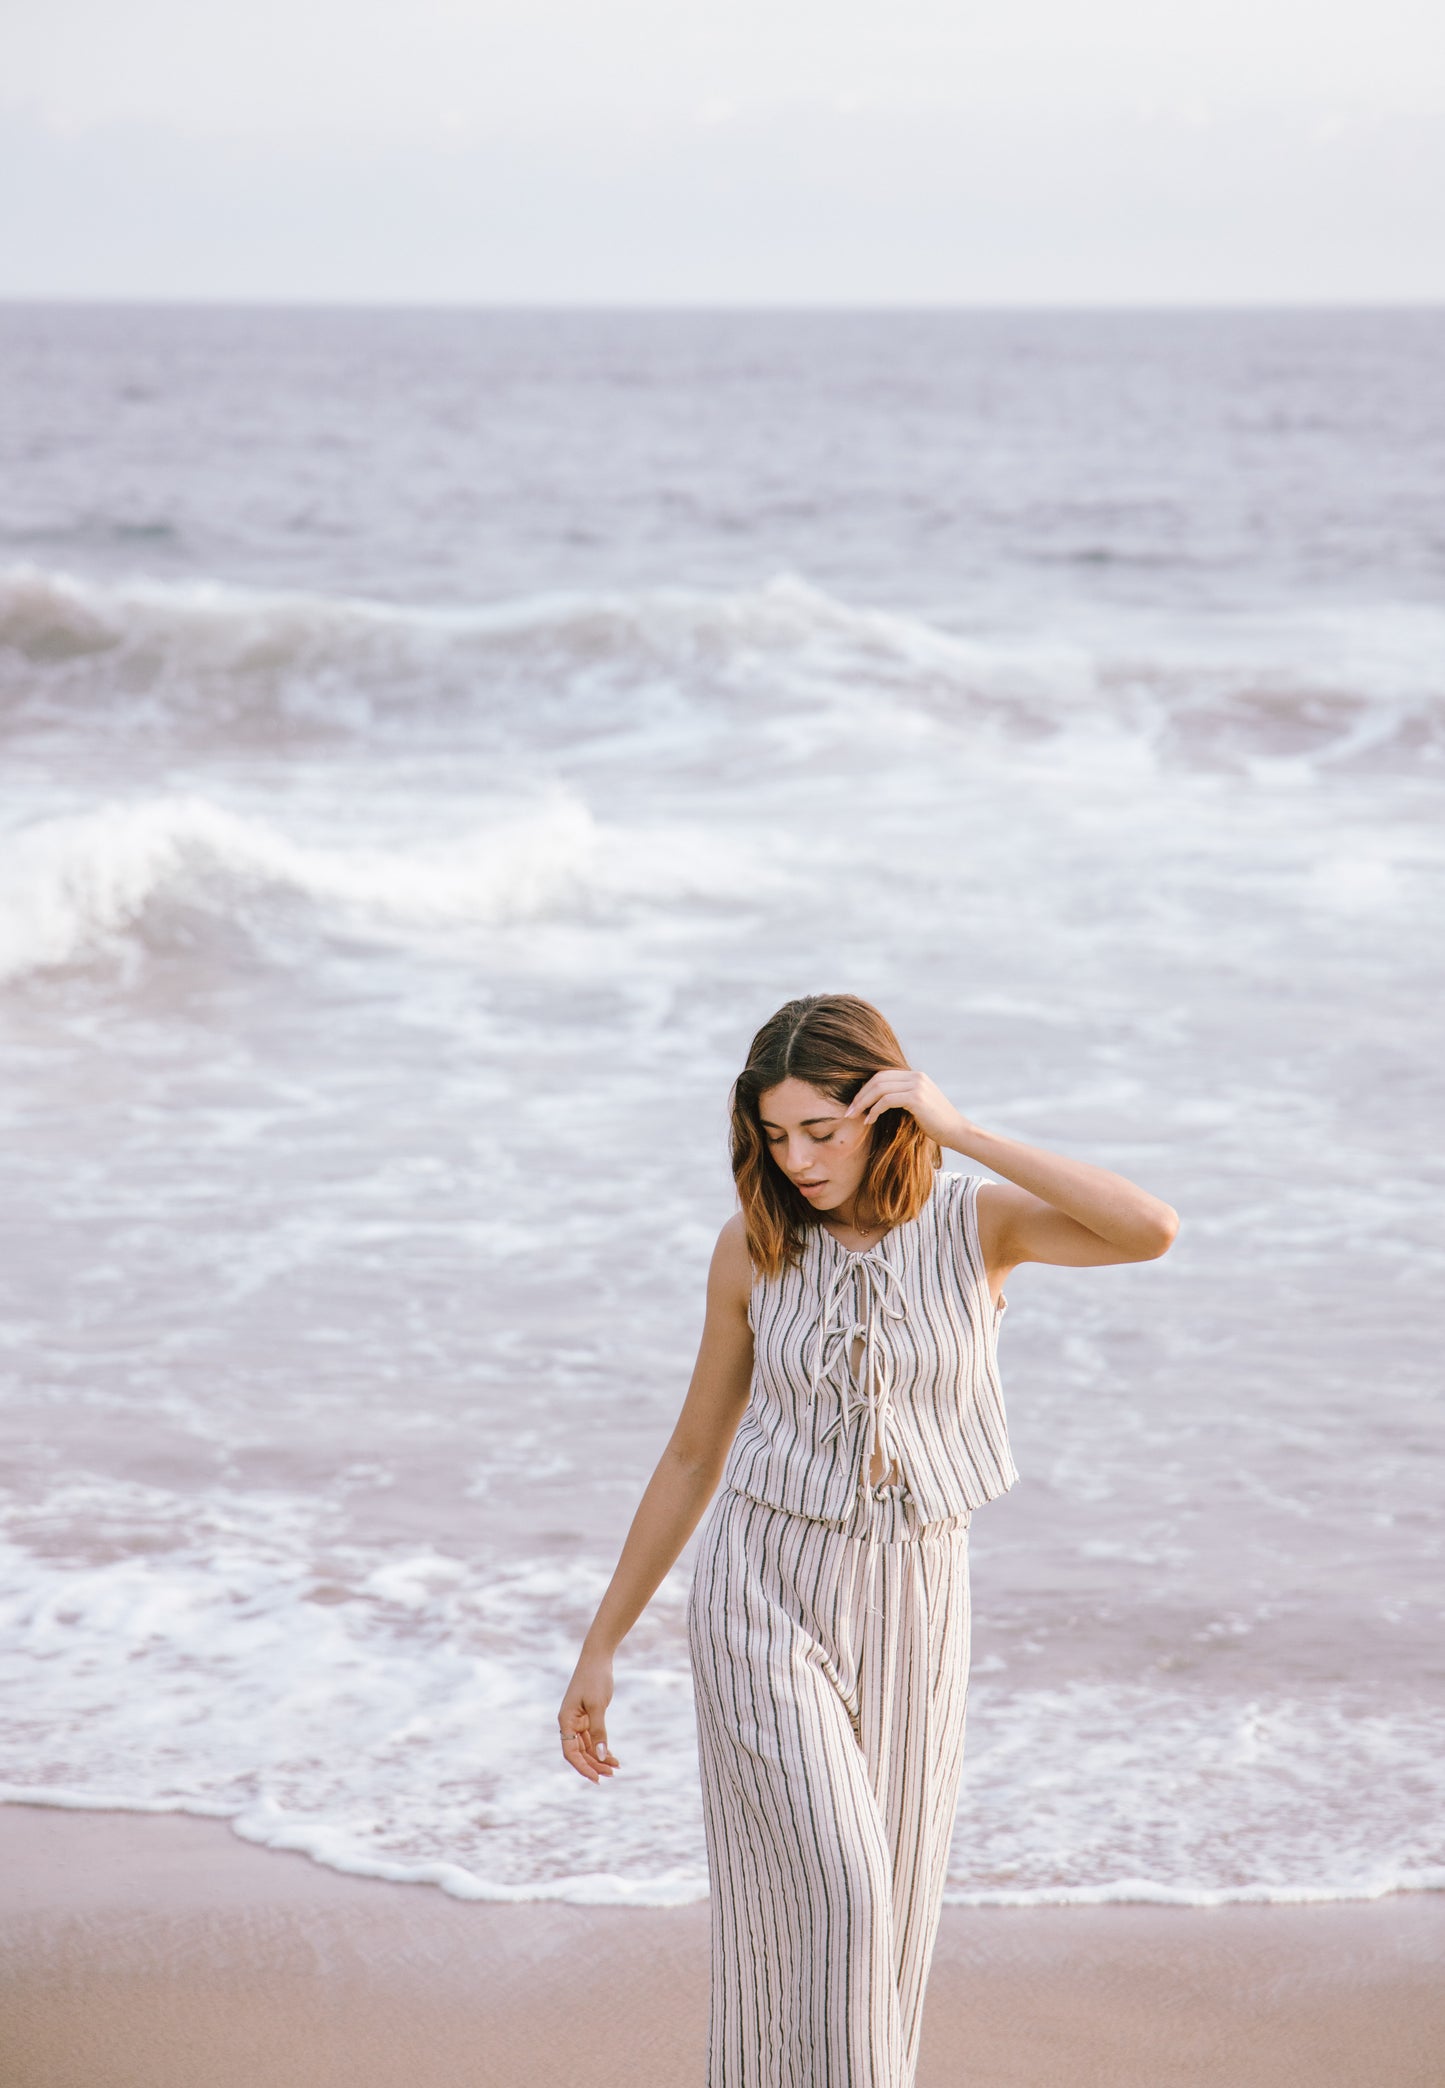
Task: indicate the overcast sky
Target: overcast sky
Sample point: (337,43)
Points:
(752,151)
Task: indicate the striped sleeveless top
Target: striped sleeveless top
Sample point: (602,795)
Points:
(927,1377)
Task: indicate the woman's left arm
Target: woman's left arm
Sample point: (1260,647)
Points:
(1048,1209)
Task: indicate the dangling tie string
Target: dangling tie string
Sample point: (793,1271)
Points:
(877,1294)
(870,1391)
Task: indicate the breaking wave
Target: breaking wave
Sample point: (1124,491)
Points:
(76,885)
(228,664)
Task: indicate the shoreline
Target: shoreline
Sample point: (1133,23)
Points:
(159,1950)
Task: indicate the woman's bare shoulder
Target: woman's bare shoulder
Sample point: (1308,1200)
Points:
(732,1265)
(996,1205)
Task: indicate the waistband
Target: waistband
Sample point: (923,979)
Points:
(885,1514)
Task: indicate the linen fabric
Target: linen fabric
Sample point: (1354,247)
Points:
(830,1670)
(898,1344)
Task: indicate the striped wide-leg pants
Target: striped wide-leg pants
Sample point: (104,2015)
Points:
(830,1671)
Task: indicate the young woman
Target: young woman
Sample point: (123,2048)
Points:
(847,1396)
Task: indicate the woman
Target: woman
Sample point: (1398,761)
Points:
(846,1394)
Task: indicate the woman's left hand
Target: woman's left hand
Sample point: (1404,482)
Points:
(902,1087)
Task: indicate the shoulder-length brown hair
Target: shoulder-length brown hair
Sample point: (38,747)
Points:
(834,1042)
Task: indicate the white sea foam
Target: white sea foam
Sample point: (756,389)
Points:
(266,1826)
(389,1712)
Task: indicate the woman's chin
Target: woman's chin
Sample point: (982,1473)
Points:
(824,1200)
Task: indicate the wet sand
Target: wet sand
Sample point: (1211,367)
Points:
(156,1951)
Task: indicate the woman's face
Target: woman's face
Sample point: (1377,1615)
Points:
(822,1152)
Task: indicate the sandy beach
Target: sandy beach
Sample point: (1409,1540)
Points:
(162,1952)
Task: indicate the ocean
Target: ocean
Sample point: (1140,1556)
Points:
(432,743)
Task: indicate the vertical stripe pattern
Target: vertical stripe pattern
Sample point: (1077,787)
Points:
(917,1308)
(830,1669)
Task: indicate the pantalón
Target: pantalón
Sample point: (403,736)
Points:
(830,1671)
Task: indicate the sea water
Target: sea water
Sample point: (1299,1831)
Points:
(430,743)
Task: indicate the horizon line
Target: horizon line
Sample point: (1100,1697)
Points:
(740,307)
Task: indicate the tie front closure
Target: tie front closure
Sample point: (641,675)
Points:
(865,1290)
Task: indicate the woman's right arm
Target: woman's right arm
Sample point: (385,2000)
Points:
(680,1488)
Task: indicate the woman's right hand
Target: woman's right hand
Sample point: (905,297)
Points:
(677,1493)
(582,1720)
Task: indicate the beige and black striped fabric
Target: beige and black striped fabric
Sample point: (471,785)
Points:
(830,1671)
(828,1627)
(915,1316)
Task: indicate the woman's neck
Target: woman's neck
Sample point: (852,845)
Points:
(849,1217)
